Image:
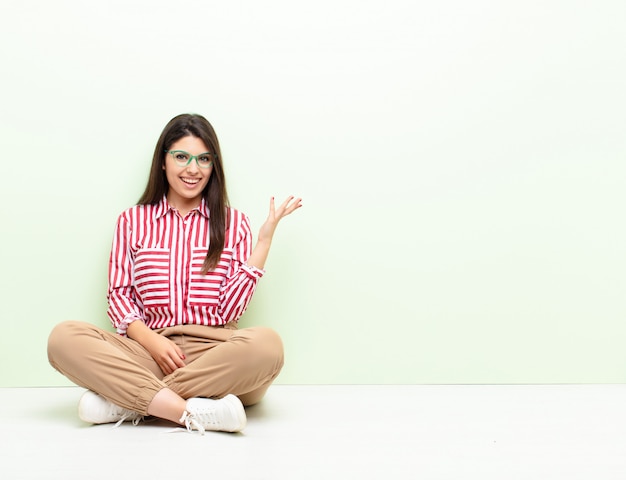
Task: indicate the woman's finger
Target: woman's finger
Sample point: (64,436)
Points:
(165,368)
(272,207)
(293,206)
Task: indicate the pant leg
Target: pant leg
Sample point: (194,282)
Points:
(116,367)
(220,361)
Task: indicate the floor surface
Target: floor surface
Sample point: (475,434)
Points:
(327,432)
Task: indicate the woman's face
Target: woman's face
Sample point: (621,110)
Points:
(186,182)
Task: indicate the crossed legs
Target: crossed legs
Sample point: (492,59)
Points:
(219,361)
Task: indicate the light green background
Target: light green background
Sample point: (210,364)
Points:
(461,164)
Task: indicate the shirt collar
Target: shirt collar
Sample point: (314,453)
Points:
(163,207)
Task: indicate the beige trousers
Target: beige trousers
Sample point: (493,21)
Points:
(219,361)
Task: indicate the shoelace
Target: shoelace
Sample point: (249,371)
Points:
(191,422)
(126,416)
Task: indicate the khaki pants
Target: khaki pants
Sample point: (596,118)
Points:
(218,361)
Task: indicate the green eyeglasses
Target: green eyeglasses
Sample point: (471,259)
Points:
(182,158)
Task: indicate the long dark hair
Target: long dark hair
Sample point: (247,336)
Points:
(214,193)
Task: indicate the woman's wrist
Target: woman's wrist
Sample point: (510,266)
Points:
(137,331)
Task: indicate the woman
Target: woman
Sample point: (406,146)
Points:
(182,271)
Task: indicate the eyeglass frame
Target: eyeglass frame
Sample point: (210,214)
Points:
(191,157)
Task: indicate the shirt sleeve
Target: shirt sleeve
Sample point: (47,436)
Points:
(124,307)
(240,284)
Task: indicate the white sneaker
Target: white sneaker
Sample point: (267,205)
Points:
(92,408)
(223,415)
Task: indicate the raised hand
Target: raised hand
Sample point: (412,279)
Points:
(266,232)
(276,214)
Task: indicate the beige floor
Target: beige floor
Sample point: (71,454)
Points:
(328,432)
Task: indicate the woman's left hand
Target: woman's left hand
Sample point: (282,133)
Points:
(276,215)
(262,248)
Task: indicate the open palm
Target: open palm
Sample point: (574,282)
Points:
(276,214)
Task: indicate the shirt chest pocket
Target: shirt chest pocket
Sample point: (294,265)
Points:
(151,280)
(204,290)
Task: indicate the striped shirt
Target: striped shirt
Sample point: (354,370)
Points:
(155,263)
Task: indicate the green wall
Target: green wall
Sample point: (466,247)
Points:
(461,164)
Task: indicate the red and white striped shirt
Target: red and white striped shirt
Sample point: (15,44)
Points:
(154,269)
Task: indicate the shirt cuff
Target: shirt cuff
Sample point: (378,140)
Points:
(253,272)
(123,325)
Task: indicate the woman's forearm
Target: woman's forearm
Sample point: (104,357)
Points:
(259,254)
(138,331)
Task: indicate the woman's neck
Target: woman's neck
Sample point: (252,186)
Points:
(184,205)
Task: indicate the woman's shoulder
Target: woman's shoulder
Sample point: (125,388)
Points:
(140,211)
(237,217)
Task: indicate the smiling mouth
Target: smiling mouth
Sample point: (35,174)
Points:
(190,181)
